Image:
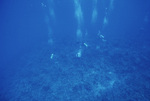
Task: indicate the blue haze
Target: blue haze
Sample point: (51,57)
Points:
(113,68)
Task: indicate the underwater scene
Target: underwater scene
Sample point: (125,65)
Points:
(75,50)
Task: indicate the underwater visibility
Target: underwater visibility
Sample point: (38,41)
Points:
(75,50)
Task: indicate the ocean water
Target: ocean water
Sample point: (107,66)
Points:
(75,50)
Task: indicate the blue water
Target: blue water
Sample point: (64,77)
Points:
(74,50)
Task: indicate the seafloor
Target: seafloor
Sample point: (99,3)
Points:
(105,72)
